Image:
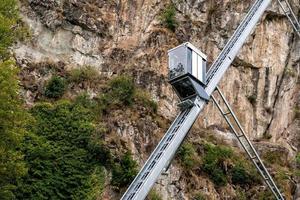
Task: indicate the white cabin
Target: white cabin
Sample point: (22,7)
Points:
(187,59)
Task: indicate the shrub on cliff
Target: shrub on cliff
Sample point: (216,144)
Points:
(56,87)
(168,17)
(188,156)
(120,92)
(85,73)
(153,195)
(213,163)
(124,171)
(241,176)
(199,196)
(297,112)
(144,98)
(297,170)
(298,159)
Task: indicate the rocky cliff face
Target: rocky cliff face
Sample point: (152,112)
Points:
(127,36)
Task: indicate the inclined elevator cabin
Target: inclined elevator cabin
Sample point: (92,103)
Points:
(187,69)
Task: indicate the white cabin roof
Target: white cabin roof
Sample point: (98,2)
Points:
(188,44)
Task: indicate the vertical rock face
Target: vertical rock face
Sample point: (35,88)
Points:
(126,36)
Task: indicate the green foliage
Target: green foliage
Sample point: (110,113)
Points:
(153,195)
(144,99)
(282,177)
(252,98)
(62,162)
(241,195)
(120,92)
(223,166)
(298,158)
(10,28)
(86,73)
(188,156)
(240,176)
(56,87)
(124,171)
(199,196)
(96,182)
(297,112)
(168,17)
(267,136)
(297,170)
(213,163)
(274,157)
(13,121)
(266,195)
(85,100)
(291,72)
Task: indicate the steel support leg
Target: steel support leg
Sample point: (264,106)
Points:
(245,142)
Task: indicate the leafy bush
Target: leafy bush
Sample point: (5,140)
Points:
(62,163)
(291,72)
(153,195)
(241,195)
(199,196)
(265,195)
(124,171)
(188,155)
(96,182)
(282,178)
(86,73)
(274,157)
(168,17)
(240,176)
(144,98)
(10,26)
(213,163)
(122,90)
(56,87)
(297,112)
(85,100)
(252,99)
(13,122)
(297,170)
(298,158)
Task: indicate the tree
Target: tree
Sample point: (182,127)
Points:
(10,28)
(13,120)
(62,162)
